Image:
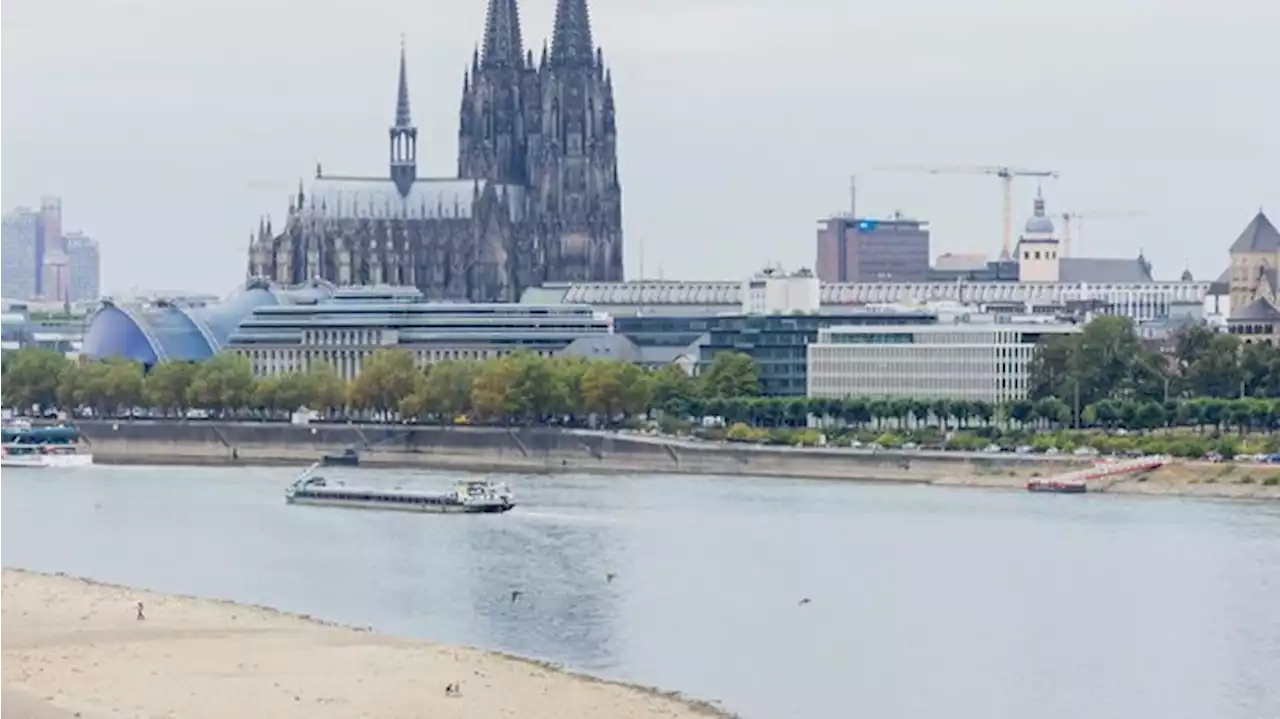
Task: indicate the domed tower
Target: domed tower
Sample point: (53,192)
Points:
(1039,249)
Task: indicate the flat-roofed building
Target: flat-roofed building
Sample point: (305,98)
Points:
(358,321)
(864,249)
(984,361)
(1139,301)
(777,343)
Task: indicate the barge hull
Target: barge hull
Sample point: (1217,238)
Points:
(419,508)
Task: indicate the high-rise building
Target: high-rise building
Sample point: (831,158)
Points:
(50,251)
(536,197)
(21,254)
(865,249)
(85,267)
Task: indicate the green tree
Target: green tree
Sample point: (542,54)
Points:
(731,374)
(328,391)
(126,383)
(446,393)
(386,377)
(224,382)
(1216,371)
(603,389)
(266,394)
(1192,342)
(1053,411)
(1023,411)
(535,388)
(31,378)
(491,389)
(1051,366)
(167,384)
(1260,369)
(637,389)
(672,389)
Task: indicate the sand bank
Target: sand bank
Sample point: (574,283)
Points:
(1179,478)
(73,647)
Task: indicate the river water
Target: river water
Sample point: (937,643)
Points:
(925,601)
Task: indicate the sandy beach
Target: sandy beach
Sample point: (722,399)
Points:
(75,648)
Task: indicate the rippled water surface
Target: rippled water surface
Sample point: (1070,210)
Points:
(925,602)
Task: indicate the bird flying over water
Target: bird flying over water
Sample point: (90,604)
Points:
(804,601)
(515,594)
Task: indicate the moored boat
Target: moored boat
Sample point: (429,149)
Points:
(348,458)
(40,447)
(1058,486)
(42,456)
(470,497)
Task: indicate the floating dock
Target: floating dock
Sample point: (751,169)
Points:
(1077,482)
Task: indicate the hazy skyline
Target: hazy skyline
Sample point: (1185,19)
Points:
(169,127)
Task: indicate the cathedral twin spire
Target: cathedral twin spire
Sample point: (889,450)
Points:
(571,37)
(503,46)
(494,100)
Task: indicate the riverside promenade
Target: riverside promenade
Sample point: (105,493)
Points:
(532,449)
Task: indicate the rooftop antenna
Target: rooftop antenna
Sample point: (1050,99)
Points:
(853,195)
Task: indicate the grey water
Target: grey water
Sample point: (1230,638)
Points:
(925,602)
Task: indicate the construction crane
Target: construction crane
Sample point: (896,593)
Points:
(1068,218)
(1006,175)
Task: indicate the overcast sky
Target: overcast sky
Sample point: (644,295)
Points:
(169,126)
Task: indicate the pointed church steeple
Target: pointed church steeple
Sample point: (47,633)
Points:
(403,136)
(571,44)
(403,117)
(503,45)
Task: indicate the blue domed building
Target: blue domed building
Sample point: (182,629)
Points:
(176,330)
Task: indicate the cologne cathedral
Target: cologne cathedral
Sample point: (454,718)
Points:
(536,197)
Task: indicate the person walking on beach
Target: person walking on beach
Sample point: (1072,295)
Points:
(141,616)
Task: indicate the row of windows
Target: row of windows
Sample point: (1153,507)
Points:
(1048,254)
(348,362)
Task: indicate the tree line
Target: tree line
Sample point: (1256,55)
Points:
(519,387)
(1103,377)
(1107,377)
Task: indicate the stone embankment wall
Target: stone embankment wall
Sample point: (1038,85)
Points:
(523,450)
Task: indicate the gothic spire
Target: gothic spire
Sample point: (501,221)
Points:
(403,136)
(402,94)
(503,46)
(571,37)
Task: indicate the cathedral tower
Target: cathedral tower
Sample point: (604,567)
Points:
(498,91)
(575,172)
(404,137)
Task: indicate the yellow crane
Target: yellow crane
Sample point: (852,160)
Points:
(1004,172)
(1078,218)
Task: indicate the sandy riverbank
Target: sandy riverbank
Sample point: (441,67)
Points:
(1178,479)
(73,647)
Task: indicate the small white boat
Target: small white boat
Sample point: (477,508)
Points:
(471,497)
(38,456)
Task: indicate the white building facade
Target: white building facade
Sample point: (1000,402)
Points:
(986,362)
(773,292)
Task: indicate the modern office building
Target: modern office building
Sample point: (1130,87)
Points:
(779,343)
(21,254)
(344,330)
(59,330)
(864,249)
(985,361)
(84,267)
